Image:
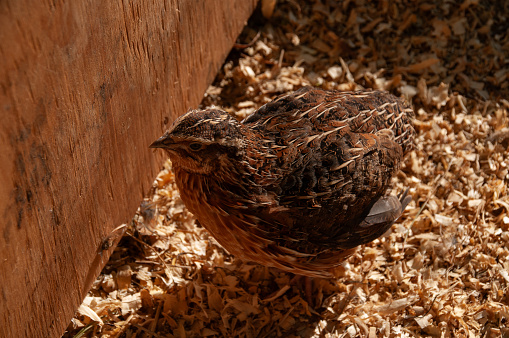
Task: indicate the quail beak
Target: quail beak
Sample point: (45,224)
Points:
(164,142)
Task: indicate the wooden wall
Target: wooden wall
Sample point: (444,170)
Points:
(85,87)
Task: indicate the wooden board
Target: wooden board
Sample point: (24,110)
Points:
(85,87)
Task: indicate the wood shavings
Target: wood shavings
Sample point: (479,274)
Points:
(268,8)
(85,310)
(443,270)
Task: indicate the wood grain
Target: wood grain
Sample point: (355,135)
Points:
(85,86)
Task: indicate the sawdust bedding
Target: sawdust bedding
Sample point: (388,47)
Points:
(441,271)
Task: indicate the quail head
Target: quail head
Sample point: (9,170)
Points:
(299,183)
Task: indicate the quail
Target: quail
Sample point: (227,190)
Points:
(299,183)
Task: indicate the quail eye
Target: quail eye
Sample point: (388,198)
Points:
(195,146)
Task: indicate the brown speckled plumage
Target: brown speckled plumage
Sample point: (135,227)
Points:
(300,182)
